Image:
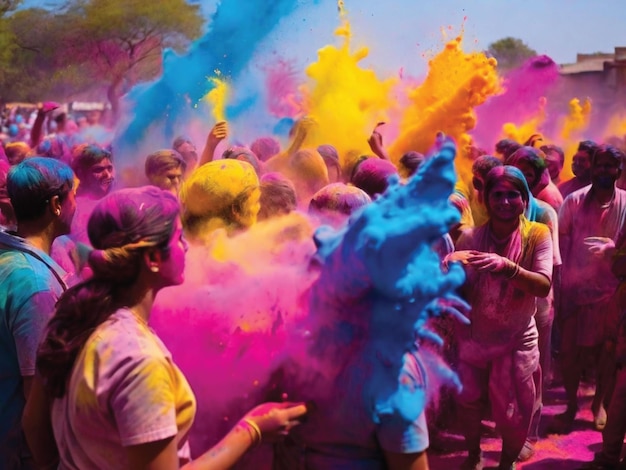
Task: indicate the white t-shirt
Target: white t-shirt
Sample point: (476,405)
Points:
(124,390)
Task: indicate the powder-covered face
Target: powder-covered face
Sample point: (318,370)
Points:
(605,171)
(553,162)
(169,180)
(172,269)
(505,202)
(99,178)
(581,164)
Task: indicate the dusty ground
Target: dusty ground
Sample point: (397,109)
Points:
(553,452)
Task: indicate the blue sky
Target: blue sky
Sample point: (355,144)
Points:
(399,32)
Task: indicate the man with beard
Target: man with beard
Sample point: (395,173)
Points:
(42,196)
(598,210)
(581,167)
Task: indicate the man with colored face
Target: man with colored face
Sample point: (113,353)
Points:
(93,166)
(598,210)
(165,169)
(581,167)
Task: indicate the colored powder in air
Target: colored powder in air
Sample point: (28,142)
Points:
(571,129)
(217,98)
(378,279)
(344,99)
(166,105)
(616,127)
(227,325)
(521,133)
(283,97)
(521,105)
(456,83)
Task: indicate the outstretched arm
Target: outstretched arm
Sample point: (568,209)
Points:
(264,422)
(36,132)
(218,133)
(376,143)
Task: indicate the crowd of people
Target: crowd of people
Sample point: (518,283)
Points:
(87,383)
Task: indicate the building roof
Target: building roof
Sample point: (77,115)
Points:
(588,65)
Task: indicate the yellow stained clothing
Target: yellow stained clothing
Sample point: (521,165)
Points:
(124,390)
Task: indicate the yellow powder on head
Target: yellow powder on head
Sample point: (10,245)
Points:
(571,132)
(344,99)
(457,82)
(215,185)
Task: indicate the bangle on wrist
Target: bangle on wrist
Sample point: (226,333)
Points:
(254,430)
(514,270)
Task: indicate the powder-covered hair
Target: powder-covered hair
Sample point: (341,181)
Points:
(164,160)
(484,164)
(331,158)
(32,183)
(506,147)
(278,196)
(372,175)
(243,154)
(410,162)
(553,149)
(535,158)
(340,198)
(16,152)
(122,226)
(265,148)
(588,146)
(214,190)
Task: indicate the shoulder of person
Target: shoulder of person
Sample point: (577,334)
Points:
(126,337)
(538,230)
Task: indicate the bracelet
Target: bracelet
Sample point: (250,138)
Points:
(515,272)
(257,437)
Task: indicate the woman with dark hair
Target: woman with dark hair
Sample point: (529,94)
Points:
(108,388)
(508,263)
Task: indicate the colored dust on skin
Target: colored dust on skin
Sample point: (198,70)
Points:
(345,100)
(456,83)
(520,133)
(519,111)
(571,129)
(218,97)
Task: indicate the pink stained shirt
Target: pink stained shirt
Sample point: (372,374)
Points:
(124,390)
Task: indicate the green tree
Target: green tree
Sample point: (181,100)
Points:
(510,52)
(6,38)
(7,6)
(120,42)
